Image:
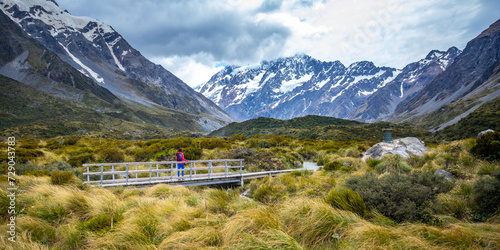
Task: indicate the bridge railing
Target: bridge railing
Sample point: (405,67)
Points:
(132,173)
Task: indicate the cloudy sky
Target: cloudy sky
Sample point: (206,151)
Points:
(194,39)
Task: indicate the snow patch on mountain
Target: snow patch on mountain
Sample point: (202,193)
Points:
(85,70)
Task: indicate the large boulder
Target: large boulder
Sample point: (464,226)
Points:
(404,147)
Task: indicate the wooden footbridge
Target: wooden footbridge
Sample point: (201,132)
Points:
(204,172)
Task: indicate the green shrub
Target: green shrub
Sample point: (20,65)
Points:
(308,153)
(486,191)
(24,155)
(70,141)
(62,166)
(488,146)
(29,144)
(144,154)
(192,153)
(61,177)
(322,161)
(37,172)
(78,160)
(348,200)
(111,155)
(400,197)
(332,166)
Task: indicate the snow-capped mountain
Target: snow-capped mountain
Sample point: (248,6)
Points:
(300,85)
(412,79)
(99,52)
(295,86)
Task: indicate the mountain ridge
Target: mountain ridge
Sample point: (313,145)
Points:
(99,52)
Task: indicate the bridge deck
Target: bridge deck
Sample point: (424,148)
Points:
(195,173)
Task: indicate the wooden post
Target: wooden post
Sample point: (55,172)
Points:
(241,167)
(157,173)
(102,174)
(88,176)
(127,173)
(190,170)
(135,172)
(150,169)
(225,170)
(171,171)
(113,170)
(209,168)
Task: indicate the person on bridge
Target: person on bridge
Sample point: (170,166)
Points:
(180,157)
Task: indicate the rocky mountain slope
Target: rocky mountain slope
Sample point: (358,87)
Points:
(301,85)
(412,79)
(99,52)
(470,81)
(44,96)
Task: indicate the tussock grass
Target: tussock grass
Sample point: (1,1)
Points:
(251,221)
(24,241)
(269,239)
(295,211)
(195,238)
(313,222)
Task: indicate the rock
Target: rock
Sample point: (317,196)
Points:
(404,147)
(485,131)
(444,173)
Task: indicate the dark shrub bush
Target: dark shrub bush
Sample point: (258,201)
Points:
(78,160)
(111,155)
(53,144)
(321,161)
(308,153)
(486,191)
(29,144)
(400,197)
(488,146)
(144,154)
(70,141)
(24,155)
(213,143)
(61,177)
(332,166)
(192,153)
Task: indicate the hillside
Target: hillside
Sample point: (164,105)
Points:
(471,80)
(32,76)
(97,51)
(322,128)
(487,116)
(26,111)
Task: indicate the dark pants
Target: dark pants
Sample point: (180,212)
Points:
(180,166)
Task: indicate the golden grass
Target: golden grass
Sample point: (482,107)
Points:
(312,221)
(75,216)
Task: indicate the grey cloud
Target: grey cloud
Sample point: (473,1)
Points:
(185,28)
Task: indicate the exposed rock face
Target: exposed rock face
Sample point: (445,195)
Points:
(404,147)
